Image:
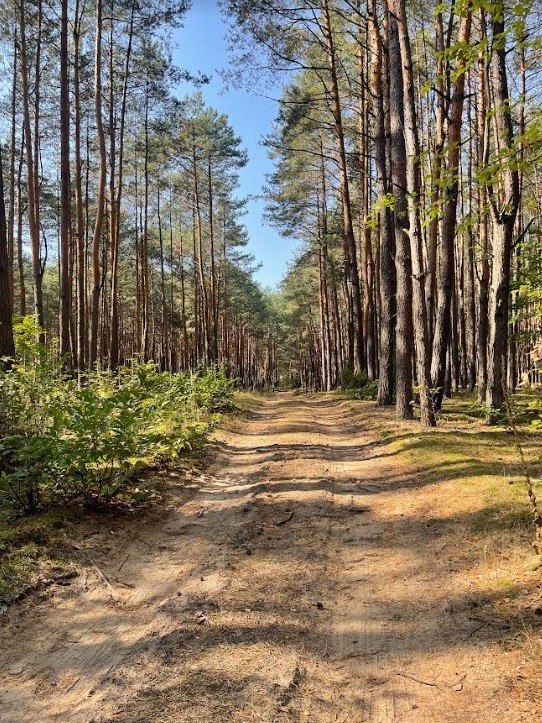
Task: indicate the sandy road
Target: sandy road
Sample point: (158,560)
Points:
(298,582)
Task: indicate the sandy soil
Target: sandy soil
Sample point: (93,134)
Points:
(299,578)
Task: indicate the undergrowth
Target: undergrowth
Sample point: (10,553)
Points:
(357,385)
(88,442)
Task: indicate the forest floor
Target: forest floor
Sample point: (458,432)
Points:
(327,563)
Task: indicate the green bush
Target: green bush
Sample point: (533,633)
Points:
(358,385)
(368,392)
(63,440)
(351,379)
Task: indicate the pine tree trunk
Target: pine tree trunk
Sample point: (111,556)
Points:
(404,333)
(446,277)
(79,205)
(414,230)
(386,339)
(65,191)
(7,348)
(31,180)
(100,206)
(504,195)
(355,340)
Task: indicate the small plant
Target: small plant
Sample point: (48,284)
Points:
(358,385)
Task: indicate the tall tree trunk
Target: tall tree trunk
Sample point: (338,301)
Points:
(214,307)
(100,206)
(446,278)
(31,180)
(504,194)
(20,214)
(205,317)
(468,261)
(414,230)
(12,165)
(355,338)
(145,268)
(116,201)
(403,264)
(7,347)
(65,190)
(80,231)
(482,150)
(387,246)
(436,169)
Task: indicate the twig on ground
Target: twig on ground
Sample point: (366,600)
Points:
(285,520)
(124,584)
(417,680)
(476,629)
(102,575)
(124,562)
(458,685)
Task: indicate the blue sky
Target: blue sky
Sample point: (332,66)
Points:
(201,46)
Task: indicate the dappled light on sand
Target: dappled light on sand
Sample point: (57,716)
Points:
(311,572)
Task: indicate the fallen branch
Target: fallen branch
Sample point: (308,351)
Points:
(124,584)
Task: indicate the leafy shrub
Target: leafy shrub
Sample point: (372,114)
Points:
(212,390)
(358,385)
(351,379)
(368,392)
(61,439)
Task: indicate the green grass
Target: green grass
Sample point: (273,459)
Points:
(475,465)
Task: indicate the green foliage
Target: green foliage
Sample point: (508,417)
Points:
(211,390)
(64,440)
(358,385)
(351,379)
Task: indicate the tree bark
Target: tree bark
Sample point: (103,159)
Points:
(31,180)
(79,203)
(100,206)
(65,191)
(403,263)
(414,230)
(446,278)
(505,197)
(7,347)
(355,326)
(386,345)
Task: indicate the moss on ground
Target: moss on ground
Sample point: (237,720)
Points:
(27,544)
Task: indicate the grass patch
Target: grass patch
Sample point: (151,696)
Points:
(17,569)
(28,544)
(476,467)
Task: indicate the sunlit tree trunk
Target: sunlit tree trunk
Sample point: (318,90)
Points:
(31,180)
(355,340)
(7,348)
(414,225)
(100,206)
(65,190)
(446,276)
(504,195)
(386,346)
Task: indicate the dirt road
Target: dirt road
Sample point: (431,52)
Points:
(299,582)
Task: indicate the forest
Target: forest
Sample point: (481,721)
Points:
(405,149)
(147,373)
